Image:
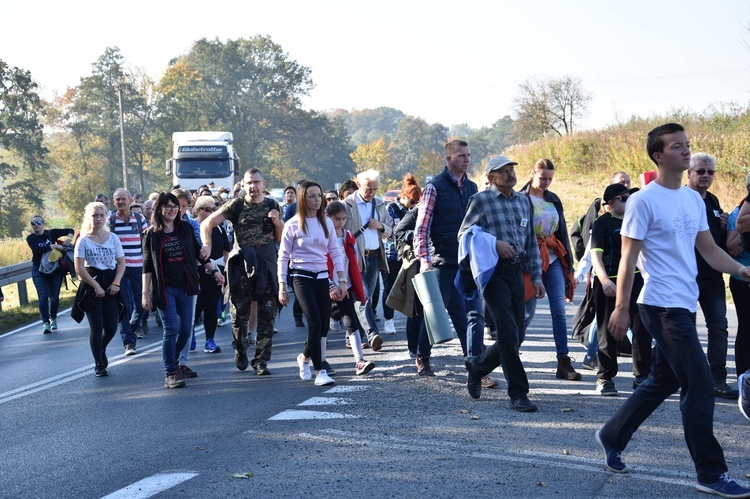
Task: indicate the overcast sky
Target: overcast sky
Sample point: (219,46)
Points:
(448,62)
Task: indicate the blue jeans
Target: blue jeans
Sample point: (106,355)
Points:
(126,330)
(592,347)
(370,280)
(132,281)
(554,282)
(177,318)
(713,300)
(679,361)
(48,290)
(466,315)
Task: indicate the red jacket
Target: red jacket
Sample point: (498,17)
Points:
(355,287)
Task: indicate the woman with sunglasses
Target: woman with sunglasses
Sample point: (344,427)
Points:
(170,280)
(557,261)
(210,294)
(100,263)
(47,286)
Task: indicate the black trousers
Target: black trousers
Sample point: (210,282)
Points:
(316,306)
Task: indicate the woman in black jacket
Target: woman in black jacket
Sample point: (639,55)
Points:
(170,280)
(557,261)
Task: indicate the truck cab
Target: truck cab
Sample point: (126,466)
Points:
(202,157)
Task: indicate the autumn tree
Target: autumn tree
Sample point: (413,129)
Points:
(550,106)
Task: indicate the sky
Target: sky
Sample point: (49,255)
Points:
(447,62)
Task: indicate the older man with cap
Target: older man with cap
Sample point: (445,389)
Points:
(503,213)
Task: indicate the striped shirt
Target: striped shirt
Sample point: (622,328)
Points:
(508,219)
(130,238)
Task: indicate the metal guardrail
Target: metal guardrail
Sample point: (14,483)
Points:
(17,273)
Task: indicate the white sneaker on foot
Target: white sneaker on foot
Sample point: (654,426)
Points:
(390,327)
(333,325)
(305,373)
(322,379)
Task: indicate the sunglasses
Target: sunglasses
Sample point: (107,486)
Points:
(331,198)
(703,171)
(38,222)
(622,198)
(207,209)
(171,207)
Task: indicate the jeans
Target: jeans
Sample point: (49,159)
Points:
(504,295)
(126,329)
(713,300)
(592,347)
(554,283)
(102,315)
(370,280)
(177,318)
(466,315)
(132,281)
(316,305)
(48,290)
(417,340)
(741,294)
(679,361)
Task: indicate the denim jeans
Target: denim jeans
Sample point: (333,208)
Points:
(316,305)
(504,295)
(713,300)
(554,283)
(132,281)
(466,315)
(177,318)
(679,361)
(48,290)
(126,330)
(370,280)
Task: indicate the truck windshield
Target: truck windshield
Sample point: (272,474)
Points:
(202,168)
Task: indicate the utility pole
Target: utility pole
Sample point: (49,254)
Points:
(122,139)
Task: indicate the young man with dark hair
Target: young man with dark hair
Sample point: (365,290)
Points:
(664,222)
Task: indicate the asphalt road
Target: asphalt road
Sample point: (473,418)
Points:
(66,433)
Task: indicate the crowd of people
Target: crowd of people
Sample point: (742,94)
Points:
(654,254)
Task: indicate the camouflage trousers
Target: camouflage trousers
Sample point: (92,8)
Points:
(240,304)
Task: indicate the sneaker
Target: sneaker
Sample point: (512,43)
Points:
(138,333)
(423,366)
(322,379)
(100,371)
(130,350)
(305,372)
(612,459)
(220,323)
(187,372)
(193,344)
(46,329)
(723,487)
(364,367)
(333,325)
(173,381)
(743,383)
(488,382)
(724,391)
(298,322)
(53,324)
(565,369)
(261,369)
(376,343)
(606,388)
(590,363)
(105,360)
(211,347)
(329,370)
(389,327)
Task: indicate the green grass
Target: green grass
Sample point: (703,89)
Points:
(14,315)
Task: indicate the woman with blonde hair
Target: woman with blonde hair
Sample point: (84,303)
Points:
(100,263)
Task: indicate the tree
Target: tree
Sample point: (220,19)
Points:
(23,164)
(375,155)
(550,106)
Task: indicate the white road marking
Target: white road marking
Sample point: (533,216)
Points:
(293,414)
(346,389)
(33,324)
(150,486)
(324,401)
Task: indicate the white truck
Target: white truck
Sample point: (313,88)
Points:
(199,158)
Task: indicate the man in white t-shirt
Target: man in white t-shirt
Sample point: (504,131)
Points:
(663,224)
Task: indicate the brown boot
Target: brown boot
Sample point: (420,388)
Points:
(565,369)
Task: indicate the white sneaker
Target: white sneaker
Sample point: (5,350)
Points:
(390,327)
(334,325)
(322,379)
(305,373)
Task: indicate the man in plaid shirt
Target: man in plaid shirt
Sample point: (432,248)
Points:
(506,215)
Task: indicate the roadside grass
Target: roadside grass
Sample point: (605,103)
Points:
(13,315)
